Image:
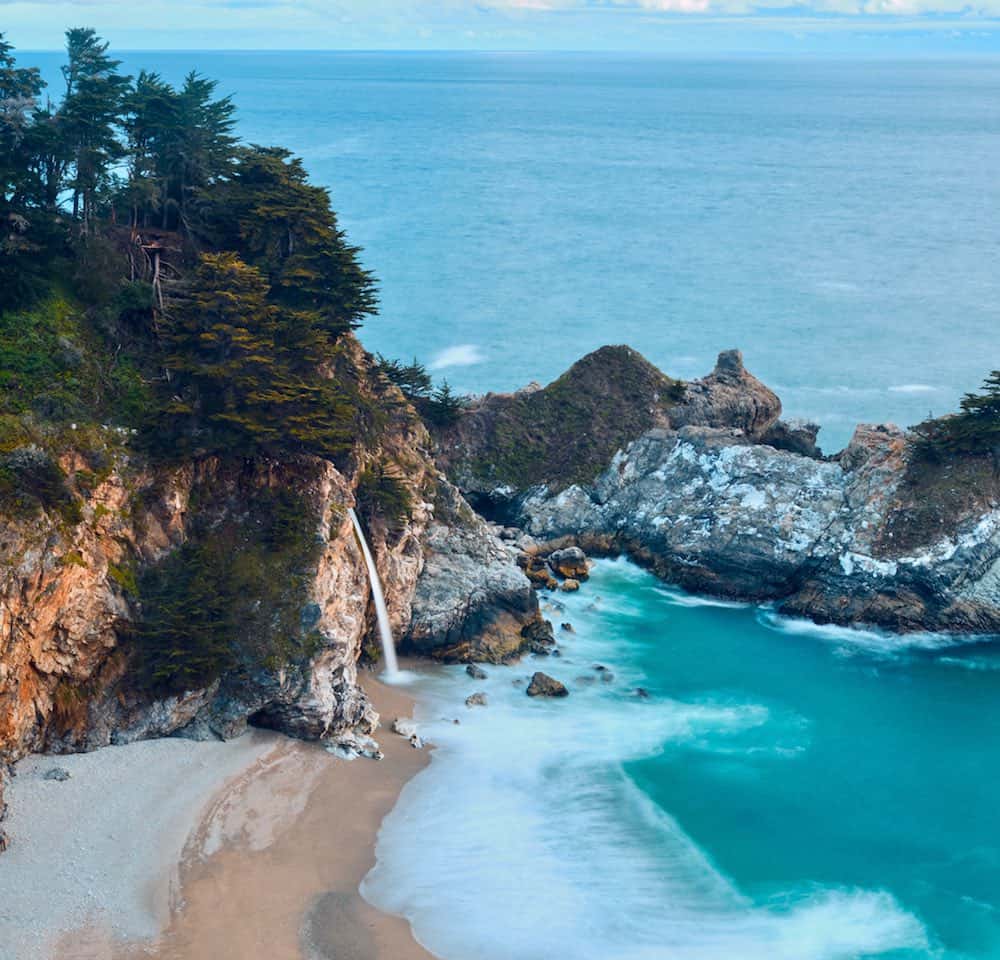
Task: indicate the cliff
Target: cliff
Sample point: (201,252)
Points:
(80,665)
(723,497)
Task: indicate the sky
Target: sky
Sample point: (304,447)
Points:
(934,26)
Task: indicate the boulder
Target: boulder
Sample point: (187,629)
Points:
(404,727)
(351,744)
(538,636)
(537,572)
(542,685)
(477,673)
(795,436)
(569,586)
(570,563)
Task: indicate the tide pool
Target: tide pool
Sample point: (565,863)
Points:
(785,791)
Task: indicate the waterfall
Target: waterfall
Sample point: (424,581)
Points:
(381,612)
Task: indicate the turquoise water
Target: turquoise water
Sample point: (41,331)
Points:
(834,219)
(786,791)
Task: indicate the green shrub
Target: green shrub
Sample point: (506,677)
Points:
(382,492)
(232,597)
(30,480)
(125,577)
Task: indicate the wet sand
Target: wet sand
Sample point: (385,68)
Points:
(273,868)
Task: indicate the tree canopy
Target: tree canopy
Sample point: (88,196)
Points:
(213,270)
(974,429)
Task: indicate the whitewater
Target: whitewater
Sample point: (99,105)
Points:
(551,828)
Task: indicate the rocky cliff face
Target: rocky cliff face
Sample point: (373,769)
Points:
(727,499)
(472,602)
(68,606)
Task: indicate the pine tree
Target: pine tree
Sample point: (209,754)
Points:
(89,116)
(247,374)
(150,119)
(268,211)
(412,379)
(21,235)
(975,429)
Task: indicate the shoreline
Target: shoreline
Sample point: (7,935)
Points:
(252,849)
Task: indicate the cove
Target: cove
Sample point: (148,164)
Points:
(786,790)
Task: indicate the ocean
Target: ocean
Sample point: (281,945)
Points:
(786,791)
(835,220)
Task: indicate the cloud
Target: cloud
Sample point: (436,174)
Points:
(685,25)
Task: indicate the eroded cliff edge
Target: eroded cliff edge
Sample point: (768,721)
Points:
(716,493)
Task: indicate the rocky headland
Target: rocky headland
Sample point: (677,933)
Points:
(712,490)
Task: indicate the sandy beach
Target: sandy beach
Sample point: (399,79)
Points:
(174,850)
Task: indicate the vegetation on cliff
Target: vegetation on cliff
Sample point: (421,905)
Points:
(975,429)
(439,406)
(561,434)
(173,294)
(158,274)
(231,597)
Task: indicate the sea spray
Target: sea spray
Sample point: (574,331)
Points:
(378,597)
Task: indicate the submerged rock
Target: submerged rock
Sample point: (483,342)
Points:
(569,586)
(477,673)
(542,685)
(60,774)
(567,627)
(476,700)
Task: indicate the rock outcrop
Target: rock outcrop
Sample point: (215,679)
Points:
(472,601)
(559,434)
(726,499)
(729,397)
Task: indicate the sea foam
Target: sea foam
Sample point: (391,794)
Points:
(526,839)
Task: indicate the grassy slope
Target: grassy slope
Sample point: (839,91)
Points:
(565,433)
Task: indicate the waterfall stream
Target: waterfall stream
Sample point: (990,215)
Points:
(381,611)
